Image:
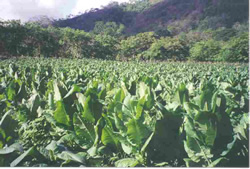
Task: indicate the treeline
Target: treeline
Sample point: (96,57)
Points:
(107,41)
(32,40)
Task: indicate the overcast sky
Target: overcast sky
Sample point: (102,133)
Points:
(25,9)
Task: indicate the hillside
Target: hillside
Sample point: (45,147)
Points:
(151,15)
(178,30)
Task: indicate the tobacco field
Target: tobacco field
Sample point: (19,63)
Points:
(93,113)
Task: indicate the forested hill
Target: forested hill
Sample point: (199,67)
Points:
(178,30)
(155,15)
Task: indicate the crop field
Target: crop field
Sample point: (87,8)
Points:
(84,112)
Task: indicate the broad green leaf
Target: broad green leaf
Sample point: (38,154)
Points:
(139,107)
(88,114)
(4,116)
(119,124)
(108,138)
(30,151)
(84,130)
(191,108)
(81,98)
(33,104)
(60,114)
(57,94)
(51,101)
(206,99)
(126,148)
(21,92)
(216,162)
(189,128)
(11,148)
(129,106)
(102,94)
(11,92)
(229,147)
(92,151)
(182,94)
(67,155)
(163,164)
(142,89)
(126,162)
(136,132)
(210,134)
(150,100)
(143,149)
(192,149)
(73,89)
(119,97)
(52,146)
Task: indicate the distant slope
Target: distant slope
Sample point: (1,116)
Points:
(87,20)
(147,17)
(166,12)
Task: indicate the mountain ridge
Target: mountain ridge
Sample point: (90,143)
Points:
(152,14)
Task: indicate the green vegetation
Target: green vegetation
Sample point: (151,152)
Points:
(85,112)
(236,49)
(205,50)
(168,49)
(101,89)
(135,46)
(106,41)
(108,28)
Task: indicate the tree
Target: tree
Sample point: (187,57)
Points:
(105,46)
(134,46)
(236,50)
(205,50)
(12,33)
(108,28)
(75,43)
(167,48)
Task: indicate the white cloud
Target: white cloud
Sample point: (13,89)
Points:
(26,9)
(83,5)
(47,4)
(5,10)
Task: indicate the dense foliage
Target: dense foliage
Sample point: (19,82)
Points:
(106,41)
(108,28)
(85,112)
(205,50)
(135,46)
(237,49)
(168,48)
(58,108)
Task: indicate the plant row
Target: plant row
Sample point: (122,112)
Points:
(131,114)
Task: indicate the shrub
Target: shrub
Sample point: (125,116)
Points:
(193,37)
(75,43)
(40,41)
(105,46)
(12,33)
(224,34)
(236,50)
(167,48)
(134,46)
(205,50)
(212,22)
(108,28)
(241,27)
(31,39)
